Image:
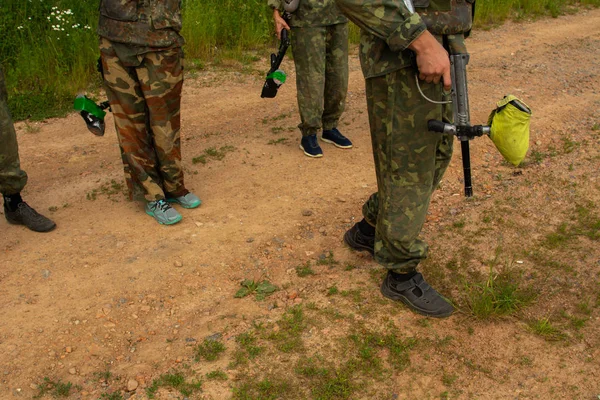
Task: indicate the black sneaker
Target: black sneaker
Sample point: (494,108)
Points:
(417,295)
(359,241)
(334,136)
(310,146)
(25,215)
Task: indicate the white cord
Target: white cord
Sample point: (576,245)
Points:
(427,98)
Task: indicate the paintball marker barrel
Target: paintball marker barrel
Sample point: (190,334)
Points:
(461,127)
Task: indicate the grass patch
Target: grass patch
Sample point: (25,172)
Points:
(107,189)
(327,259)
(543,327)
(209,350)
(288,337)
(212,153)
(261,290)
(332,291)
(304,270)
(112,396)
(247,341)
(175,381)
(278,141)
(269,388)
(53,388)
(499,295)
(216,375)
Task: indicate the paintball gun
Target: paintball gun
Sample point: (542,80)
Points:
(92,113)
(461,127)
(508,125)
(275,76)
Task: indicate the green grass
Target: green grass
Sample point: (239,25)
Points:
(209,350)
(288,337)
(543,327)
(112,396)
(327,259)
(304,270)
(212,153)
(217,375)
(247,342)
(176,381)
(53,388)
(269,388)
(500,294)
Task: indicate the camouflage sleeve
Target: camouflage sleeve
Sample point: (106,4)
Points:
(389,20)
(276,4)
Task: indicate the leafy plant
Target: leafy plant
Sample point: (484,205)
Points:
(261,290)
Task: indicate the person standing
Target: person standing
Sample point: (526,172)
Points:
(141,57)
(398,44)
(12,177)
(319,39)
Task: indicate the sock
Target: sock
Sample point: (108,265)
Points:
(403,277)
(12,201)
(365,228)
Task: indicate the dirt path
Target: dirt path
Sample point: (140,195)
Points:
(112,290)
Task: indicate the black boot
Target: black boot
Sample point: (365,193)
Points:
(23,214)
(357,240)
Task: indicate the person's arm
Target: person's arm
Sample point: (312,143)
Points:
(278,20)
(392,21)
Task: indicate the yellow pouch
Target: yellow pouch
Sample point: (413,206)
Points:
(510,128)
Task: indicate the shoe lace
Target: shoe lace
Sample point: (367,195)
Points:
(162,205)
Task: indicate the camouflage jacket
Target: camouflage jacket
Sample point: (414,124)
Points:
(313,13)
(149,23)
(388,28)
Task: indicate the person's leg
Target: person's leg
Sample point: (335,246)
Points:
(161,82)
(336,75)
(129,111)
(309,50)
(409,162)
(12,177)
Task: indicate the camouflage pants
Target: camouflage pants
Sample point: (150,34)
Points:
(12,177)
(321,61)
(409,163)
(145,100)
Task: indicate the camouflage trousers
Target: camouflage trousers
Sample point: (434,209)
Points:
(145,96)
(321,61)
(12,177)
(409,163)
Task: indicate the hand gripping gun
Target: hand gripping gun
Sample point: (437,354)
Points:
(461,127)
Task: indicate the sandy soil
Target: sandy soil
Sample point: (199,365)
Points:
(111,289)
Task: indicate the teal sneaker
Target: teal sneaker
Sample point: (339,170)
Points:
(189,200)
(162,212)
